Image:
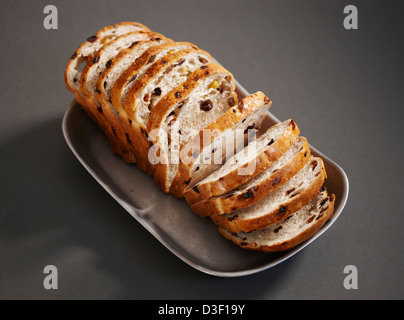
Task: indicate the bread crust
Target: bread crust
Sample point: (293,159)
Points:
(288,244)
(235,224)
(227,203)
(233,179)
(233,116)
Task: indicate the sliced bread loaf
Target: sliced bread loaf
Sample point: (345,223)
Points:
(106,81)
(207,93)
(210,148)
(279,204)
(276,175)
(243,166)
(294,230)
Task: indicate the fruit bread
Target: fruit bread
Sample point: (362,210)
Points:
(173,110)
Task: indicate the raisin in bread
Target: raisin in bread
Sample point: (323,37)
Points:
(207,93)
(106,81)
(276,175)
(276,206)
(243,166)
(210,148)
(163,76)
(294,230)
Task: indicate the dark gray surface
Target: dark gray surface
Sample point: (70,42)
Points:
(343,88)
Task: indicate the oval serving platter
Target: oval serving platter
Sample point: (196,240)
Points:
(194,240)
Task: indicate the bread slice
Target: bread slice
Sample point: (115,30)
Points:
(279,204)
(209,149)
(92,45)
(106,82)
(163,76)
(246,164)
(276,175)
(294,230)
(207,93)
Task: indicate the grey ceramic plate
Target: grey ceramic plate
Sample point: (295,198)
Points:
(194,240)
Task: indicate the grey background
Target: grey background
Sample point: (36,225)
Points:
(343,88)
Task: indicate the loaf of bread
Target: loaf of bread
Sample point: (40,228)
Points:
(171,109)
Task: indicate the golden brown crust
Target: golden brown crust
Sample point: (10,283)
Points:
(229,119)
(291,243)
(235,224)
(233,179)
(228,202)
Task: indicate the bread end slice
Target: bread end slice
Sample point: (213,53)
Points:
(286,235)
(279,204)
